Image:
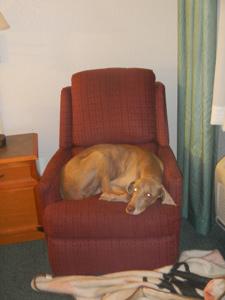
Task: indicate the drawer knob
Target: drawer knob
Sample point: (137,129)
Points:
(2,175)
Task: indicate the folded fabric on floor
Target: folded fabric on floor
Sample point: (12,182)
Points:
(197,275)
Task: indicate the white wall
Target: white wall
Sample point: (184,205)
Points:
(49,40)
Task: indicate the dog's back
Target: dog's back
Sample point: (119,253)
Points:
(84,175)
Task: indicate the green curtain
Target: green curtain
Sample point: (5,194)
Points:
(197,22)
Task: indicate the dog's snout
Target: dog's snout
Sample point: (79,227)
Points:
(130,208)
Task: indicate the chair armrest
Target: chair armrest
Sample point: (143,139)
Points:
(48,187)
(172,177)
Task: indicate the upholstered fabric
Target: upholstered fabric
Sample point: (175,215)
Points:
(48,188)
(162,130)
(92,236)
(66,124)
(94,218)
(113,106)
(100,256)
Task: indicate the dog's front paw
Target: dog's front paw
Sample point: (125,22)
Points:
(105,196)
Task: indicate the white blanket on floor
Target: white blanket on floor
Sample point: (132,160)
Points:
(138,285)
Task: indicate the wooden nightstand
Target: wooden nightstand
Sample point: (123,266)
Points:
(18,179)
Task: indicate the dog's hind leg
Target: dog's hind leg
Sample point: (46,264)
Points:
(117,193)
(118,190)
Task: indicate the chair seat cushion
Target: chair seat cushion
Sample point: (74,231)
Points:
(94,218)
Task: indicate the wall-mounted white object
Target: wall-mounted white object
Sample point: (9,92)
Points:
(218,101)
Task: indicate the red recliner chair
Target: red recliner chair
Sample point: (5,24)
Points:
(115,105)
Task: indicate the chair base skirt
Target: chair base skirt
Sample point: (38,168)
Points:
(101,256)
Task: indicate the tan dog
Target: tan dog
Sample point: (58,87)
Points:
(124,173)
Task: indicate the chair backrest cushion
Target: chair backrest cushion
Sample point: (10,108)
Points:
(115,105)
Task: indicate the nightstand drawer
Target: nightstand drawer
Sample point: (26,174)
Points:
(17,211)
(14,171)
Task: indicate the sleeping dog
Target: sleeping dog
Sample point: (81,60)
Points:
(126,173)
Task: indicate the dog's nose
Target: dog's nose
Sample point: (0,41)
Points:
(130,208)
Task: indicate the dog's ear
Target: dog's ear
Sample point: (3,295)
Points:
(166,198)
(130,187)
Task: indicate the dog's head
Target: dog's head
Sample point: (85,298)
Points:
(145,192)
